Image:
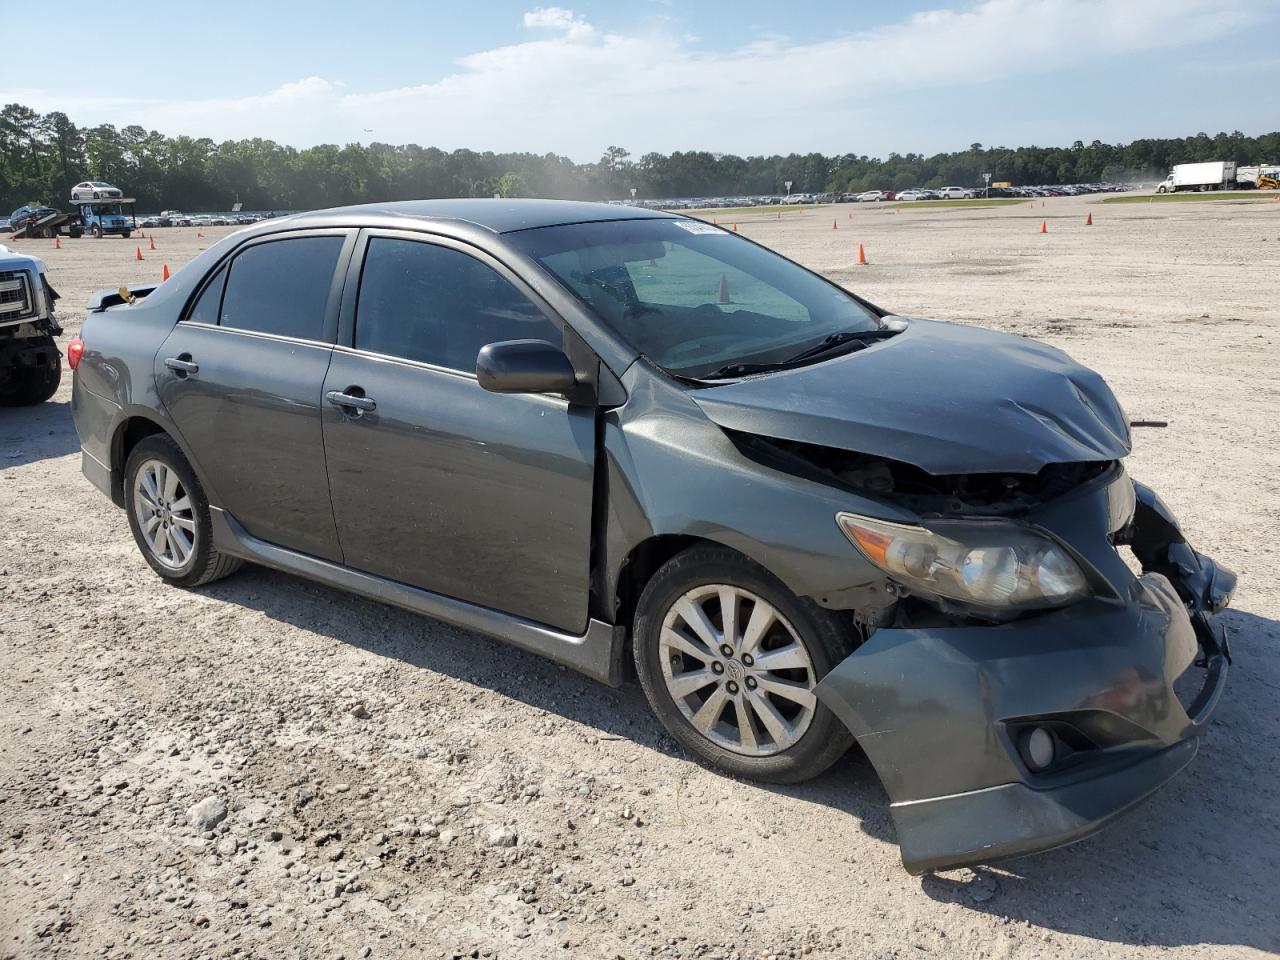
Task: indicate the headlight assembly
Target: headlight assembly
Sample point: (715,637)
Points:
(995,566)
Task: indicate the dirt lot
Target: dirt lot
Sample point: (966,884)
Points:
(364,761)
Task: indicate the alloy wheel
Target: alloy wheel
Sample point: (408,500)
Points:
(737,670)
(165,514)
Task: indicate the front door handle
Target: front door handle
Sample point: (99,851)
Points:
(182,364)
(339,399)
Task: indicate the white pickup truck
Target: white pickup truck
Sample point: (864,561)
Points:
(30,363)
(1212,175)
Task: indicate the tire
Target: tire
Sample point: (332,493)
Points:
(203,563)
(96,232)
(31,385)
(800,629)
(126,234)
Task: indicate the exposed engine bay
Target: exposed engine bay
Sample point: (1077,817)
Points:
(950,495)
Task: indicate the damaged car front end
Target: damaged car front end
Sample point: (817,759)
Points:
(1032,646)
(1000,734)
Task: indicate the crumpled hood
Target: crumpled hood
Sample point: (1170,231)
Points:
(944,397)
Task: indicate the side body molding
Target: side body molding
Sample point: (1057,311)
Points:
(596,653)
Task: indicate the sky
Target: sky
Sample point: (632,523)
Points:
(731,76)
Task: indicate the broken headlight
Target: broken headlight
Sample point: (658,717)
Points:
(994,566)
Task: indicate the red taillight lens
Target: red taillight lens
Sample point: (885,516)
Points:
(75,350)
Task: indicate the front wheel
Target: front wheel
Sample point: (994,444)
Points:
(96,232)
(28,386)
(169,515)
(728,658)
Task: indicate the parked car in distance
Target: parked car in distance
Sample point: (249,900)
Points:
(870,196)
(912,195)
(94,190)
(605,434)
(955,193)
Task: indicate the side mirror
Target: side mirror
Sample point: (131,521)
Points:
(525,366)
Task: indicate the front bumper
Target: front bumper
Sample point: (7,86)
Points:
(939,711)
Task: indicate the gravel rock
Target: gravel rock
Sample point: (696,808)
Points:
(502,837)
(208,813)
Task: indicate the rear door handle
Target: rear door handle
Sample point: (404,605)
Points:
(182,365)
(339,399)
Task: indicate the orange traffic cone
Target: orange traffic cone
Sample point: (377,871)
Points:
(713,221)
(735,227)
(137,253)
(862,255)
(199,234)
(165,274)
(1044,226)
(724,290)
(153,243)
(835,225)
(780,212)
(851,216)
(57,243)
(1088,221)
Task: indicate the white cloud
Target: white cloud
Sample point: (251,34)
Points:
(558,18)
(573,88)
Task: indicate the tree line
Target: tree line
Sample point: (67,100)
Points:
(43,155)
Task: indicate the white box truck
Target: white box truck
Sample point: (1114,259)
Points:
(1213,175)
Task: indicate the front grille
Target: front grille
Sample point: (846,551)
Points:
(16,301)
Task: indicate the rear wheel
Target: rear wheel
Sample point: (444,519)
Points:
(169,515)
(728,658)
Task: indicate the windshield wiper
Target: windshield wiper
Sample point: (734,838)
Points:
(825,345)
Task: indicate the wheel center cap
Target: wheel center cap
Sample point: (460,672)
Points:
(733,669)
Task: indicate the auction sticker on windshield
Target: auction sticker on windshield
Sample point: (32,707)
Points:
(697,226)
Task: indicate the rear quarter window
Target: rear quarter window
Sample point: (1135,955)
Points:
(206,307)
(281,287)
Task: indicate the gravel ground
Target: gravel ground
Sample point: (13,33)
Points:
(268,768)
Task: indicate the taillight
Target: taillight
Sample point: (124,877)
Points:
(75,350)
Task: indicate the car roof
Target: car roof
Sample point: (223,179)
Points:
(496,215)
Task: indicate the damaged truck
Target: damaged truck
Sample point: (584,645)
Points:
(30,362)
(637,443)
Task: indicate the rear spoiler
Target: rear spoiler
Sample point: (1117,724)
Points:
(106,299)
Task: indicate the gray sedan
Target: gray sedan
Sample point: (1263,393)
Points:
(634,442)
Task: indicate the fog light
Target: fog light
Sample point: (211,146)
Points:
(1038,748)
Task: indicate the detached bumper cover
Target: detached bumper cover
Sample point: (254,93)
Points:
(938,710)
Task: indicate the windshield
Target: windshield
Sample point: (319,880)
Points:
(692,297)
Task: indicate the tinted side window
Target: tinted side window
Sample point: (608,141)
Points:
(436,305)
(282,287)
(206,308)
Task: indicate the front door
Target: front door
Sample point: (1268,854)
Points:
(241,377)
(435,481)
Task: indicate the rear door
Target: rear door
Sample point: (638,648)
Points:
(435,481)
(241,376)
